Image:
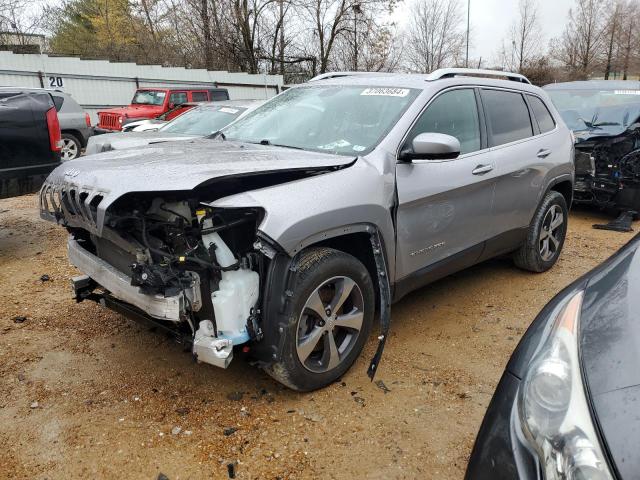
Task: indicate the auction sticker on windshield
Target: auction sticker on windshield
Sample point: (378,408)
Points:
(229,110)
(386,92)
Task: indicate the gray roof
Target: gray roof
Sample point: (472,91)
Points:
(419,81)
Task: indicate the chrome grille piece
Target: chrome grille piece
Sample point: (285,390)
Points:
(77,206)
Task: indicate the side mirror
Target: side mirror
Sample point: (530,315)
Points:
(432,146)
(172,106)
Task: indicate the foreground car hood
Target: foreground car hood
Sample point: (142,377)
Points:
(174,166)
(118,141)
(610,351)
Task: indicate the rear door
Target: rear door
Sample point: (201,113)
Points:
(519,154)
(445,206)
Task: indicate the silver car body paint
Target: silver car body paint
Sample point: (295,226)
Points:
(120,141)
(439,204)
(176,166)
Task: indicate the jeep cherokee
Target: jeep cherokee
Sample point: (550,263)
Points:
(285,232)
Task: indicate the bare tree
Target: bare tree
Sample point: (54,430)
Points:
(435,37)
(580,45)
(19,20)
(525,34)
(612,32)
(628,38)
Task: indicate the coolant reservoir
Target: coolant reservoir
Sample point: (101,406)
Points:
(233,301)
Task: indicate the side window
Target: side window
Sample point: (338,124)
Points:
(507,117)
(58,102)
(217,95)
(199,96)
(178,98)
(541,114)
(453,113)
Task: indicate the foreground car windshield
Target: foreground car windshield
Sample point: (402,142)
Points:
(148,97)
(340,119)
(203,121)
(597,109)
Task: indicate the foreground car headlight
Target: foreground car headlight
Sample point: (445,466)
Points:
(553,409)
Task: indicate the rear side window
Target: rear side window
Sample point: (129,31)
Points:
(453,113)
(58,101)
(199,96)
(507,117)
(217,95)
(541,114)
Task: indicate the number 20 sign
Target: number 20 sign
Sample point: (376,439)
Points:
(56,82)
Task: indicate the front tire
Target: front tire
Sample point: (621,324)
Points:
(328,319)
(546,235)
(71,147)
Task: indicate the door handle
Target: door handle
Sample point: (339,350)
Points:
(482,169)
(544,153)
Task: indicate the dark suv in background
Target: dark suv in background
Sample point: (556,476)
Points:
(75,124)
(30,140)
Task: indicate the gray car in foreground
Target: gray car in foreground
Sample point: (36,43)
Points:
(200,121)
(286,232)
(567,406)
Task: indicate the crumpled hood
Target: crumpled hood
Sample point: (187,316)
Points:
(118,141)
(174,166)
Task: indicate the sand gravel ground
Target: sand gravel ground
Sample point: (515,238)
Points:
(85,393)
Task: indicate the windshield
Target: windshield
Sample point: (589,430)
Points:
(607,110)
(148,97)
(345,120)
(203,120)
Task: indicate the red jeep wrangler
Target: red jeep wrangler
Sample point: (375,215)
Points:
(151,102)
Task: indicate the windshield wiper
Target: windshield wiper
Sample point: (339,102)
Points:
(268,142)
(605,124)
(217,134)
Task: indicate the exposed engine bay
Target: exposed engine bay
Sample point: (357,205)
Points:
(201,259)
(608,170)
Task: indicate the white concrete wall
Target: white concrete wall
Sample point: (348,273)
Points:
(99,84)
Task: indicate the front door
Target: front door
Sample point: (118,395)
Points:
(445,207)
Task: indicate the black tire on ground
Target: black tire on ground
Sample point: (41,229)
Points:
(335,270)
(531,255)
(73,151)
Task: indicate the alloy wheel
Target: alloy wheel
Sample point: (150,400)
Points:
(330,324)
(69,149)
(551,233)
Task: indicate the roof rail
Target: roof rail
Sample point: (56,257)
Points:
(328,75)
(473,72)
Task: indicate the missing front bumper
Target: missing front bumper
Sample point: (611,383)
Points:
(119,285)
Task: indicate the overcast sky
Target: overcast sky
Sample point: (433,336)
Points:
(491,21)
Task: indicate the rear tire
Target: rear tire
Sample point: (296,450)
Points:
(71,147)
(328,319)
(546,235)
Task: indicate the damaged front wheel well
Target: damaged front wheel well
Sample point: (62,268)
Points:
(358,245)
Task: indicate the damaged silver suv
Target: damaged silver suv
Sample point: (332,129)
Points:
(286,232)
